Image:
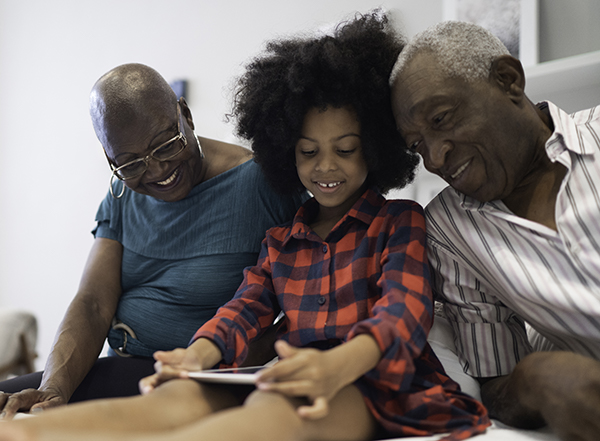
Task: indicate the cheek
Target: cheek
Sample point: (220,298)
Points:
(361,171)
(303,169)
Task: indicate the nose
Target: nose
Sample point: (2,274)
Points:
(155,167)
(435,153)
(325,162)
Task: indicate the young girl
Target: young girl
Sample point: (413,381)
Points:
(349,273)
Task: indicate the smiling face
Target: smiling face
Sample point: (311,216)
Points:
(472,134)
(170,180)
(329,159)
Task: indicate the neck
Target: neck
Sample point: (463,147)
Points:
(328,217)
(535,197)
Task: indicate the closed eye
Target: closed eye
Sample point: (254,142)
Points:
(308,152)
(439,118)
(345,152)
(414,145)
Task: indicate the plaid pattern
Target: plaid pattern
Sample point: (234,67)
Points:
(370,276)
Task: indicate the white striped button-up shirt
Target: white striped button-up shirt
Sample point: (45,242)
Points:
(495,270)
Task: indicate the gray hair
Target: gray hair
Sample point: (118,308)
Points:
(463,50)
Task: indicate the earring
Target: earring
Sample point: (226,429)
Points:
(199,146)
(110,187)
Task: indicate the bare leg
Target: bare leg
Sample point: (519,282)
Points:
(270,416)
(174,404)
(264,417)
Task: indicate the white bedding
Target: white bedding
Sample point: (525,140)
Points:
(498,432)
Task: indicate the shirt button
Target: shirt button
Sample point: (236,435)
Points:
(321,300)
(324,248)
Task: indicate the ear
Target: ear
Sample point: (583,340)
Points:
(507,72)
(187,114)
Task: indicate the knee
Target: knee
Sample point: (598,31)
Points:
(192,399)
(279,406)
(259,397)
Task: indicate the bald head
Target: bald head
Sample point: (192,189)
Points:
(126,95)
(462,50)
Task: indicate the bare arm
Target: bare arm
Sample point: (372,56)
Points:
(561,389)
(82,332)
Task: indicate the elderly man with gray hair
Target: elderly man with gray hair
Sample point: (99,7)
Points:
(515,239)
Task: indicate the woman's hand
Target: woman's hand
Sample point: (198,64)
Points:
(177,363)
(34,400)
(304,373)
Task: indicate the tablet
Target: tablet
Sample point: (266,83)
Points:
(241,375)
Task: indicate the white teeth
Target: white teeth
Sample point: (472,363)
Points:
(169,179)
(330,185)
(460,170)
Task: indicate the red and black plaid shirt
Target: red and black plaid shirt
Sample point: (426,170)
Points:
(370,276)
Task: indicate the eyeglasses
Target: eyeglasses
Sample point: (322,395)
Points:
(133,169)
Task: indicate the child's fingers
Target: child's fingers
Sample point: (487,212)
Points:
(291,360)
(170,357)
(178,359)
(284,349)
(299,388)
(147,384)
(282,370)
(319,409)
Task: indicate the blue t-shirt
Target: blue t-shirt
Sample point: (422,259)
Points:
(183,260)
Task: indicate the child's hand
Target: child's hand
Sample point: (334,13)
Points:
(303,372)
(170,365)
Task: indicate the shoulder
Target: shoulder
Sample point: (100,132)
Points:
(223,156)
(276,236)
(448,220)
(402,210)
(398,217)
(587,116)
(448,200)
(449,207)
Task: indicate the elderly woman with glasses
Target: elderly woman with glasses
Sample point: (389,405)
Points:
(183,217)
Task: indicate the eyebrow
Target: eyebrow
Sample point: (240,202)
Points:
(427,104)
(150,148)
(346,135)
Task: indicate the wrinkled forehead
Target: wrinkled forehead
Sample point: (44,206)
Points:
(419,81)
(137,132)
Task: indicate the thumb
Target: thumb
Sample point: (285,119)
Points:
(284,349)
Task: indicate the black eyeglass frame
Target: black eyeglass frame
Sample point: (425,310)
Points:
(180,137)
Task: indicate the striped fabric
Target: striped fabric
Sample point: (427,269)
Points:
(495,271)
(369,276)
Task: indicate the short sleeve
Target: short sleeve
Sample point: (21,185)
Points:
(108,220)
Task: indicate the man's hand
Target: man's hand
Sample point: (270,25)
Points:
(303,373)
(29,400)
(559,388)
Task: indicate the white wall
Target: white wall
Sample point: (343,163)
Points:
(53,173)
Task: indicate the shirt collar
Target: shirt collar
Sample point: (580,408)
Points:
(566,134)
(365,209)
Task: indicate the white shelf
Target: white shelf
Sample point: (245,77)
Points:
(572,83)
